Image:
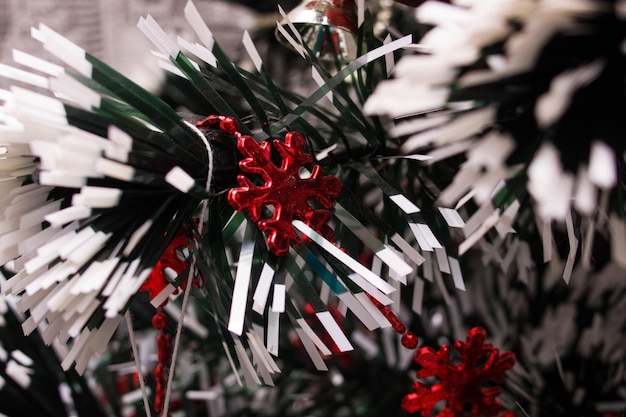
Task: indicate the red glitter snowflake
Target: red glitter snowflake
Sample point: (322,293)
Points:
(284,190)
(468,387)
(173,259)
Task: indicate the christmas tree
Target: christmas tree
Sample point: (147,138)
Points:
(368,208)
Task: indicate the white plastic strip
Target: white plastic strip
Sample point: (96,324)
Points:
(97,197)
(240,291)
(18,373)
(163,295)
(136,237)
(295,43)
(418,295)
(75,90)
(359,310)
(75,350)
(452,217)
(273,328)
(197,23)
(317,77)
(408,250)
(261,364)
(278,301)
(602,167)
(190,319)
(23,76)
(389,60)
(313,337)
(343,257)
(457,275)
(429,235)
(442,260)
(249,374)
(546,239)
(504,225)
(421,240)
(114,280)
(383,252)
(62,48)
(334,331)
(360,12)
(29,100)
(157,36)
(262,289)
(199,51)
(573,248)
(489,222)
(75,242)
(297,47)
(248,44)
(428,267)
(405,204)
(273,366)
(618,240)
(389,348)
(478,218)
(232,363)
(115,169)
(35,216)
(67,215)
(315,356)
(36,63)
(89,248)
(104,333)
(178,178)
(442,287)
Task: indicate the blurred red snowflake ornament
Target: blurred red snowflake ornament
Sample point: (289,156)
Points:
(462,385)
(283,189)
(173,259)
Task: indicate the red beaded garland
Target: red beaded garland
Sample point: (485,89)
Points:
(228,125)
(159,321)
(409,340)
(164,349)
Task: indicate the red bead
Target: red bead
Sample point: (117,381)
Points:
(158,372)
(409,340)
(229,125)
(159,321)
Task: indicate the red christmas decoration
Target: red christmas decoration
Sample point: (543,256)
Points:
(409,339)
(283,189)
(462,385)
(156,282)
(164,355)
(173,259)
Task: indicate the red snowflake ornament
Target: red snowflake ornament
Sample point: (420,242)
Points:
(462,385)
(284,190)
(173,259)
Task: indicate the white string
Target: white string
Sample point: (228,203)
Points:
(133,345)
(179,328)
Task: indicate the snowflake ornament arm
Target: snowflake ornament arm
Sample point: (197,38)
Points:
(283,189)
(463,383)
